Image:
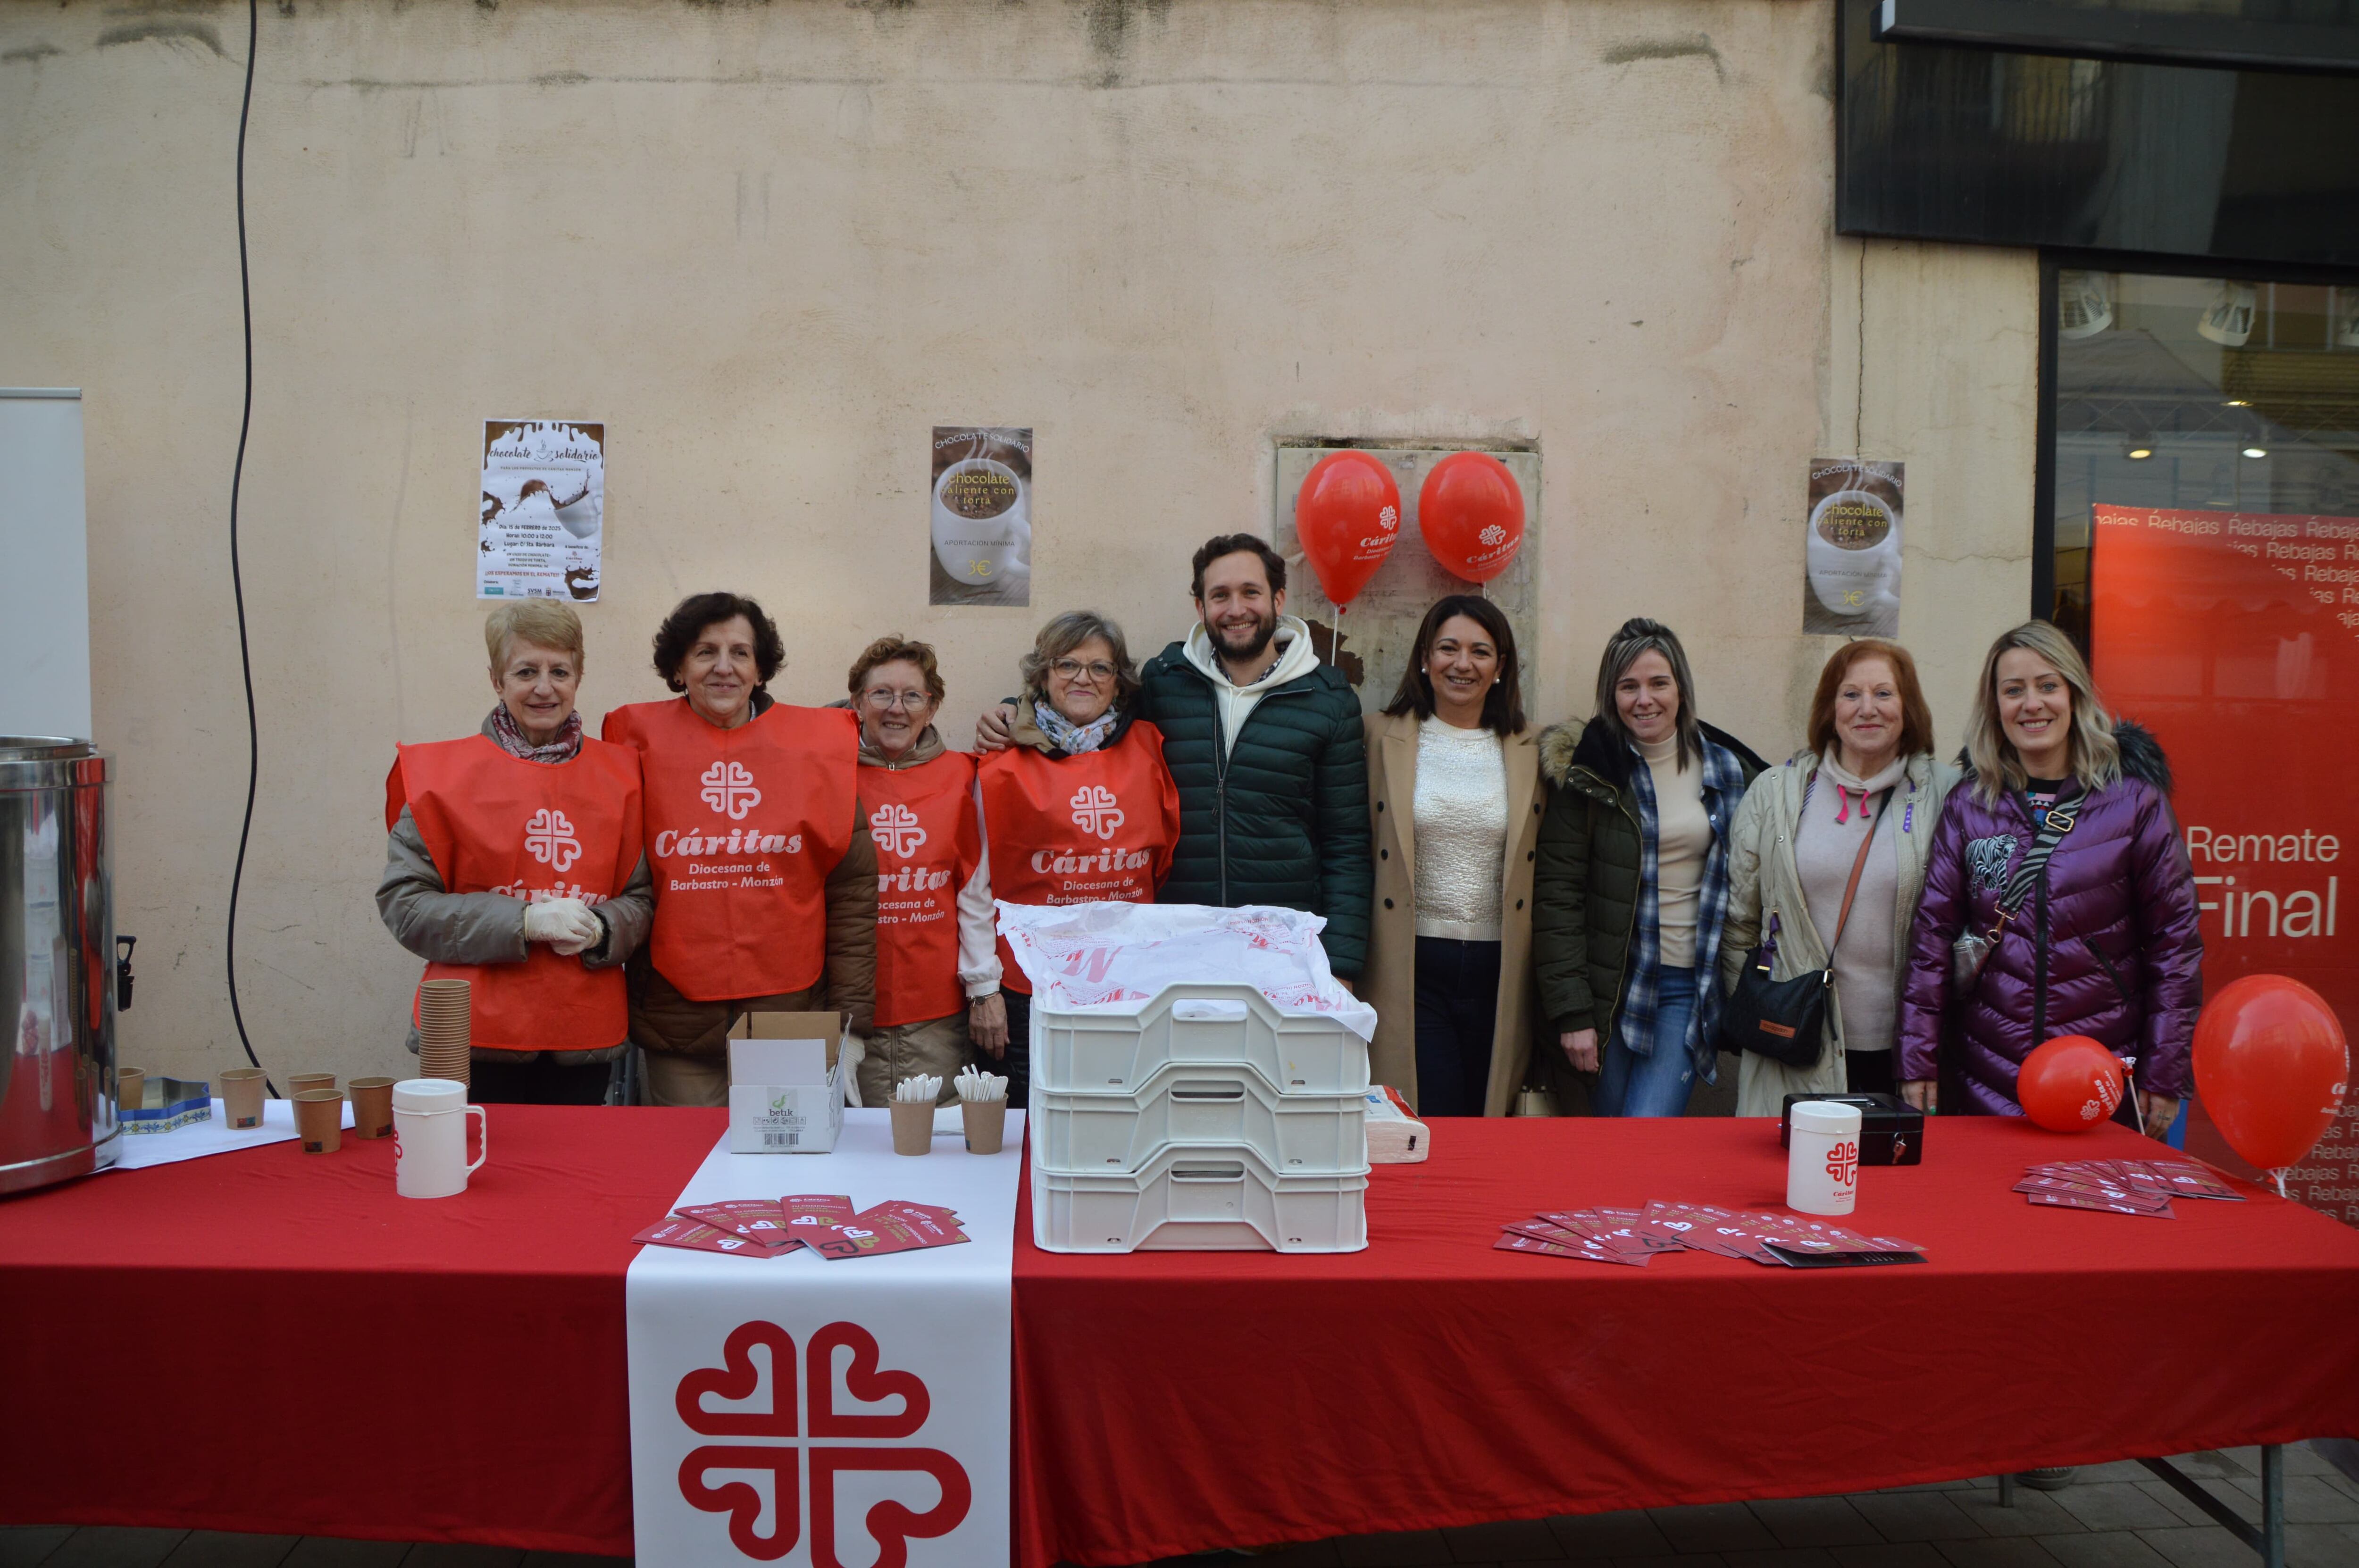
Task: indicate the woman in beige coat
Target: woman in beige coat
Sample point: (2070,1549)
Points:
(1453,787)
(1868,772)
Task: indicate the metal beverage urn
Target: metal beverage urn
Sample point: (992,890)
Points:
(59,972)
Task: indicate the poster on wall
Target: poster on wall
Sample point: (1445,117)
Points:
(1850,555)
(980,521)
(541,534)
(2234,637)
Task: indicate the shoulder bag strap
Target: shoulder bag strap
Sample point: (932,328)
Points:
(1851,889)
(2054,823)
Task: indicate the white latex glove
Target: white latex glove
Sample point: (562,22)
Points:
(565,924)
(854,1050)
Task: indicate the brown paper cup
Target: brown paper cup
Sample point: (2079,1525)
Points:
(319,1120)
(371,1108)
(913,1127)
(242,1089)
(130,1084)
(298,1083)
(986,1124)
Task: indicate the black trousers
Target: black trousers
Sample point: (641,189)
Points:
(535,1078)
(1457,1013)
(1017,1064)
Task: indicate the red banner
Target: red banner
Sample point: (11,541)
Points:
(2234,637)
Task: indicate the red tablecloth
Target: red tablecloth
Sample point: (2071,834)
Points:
(1171,1401)
(273,1341)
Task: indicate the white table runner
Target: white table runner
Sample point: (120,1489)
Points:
(840,1413)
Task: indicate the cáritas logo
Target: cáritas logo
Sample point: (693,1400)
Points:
(548,839)
(895,828)
(774,1450)
(729,789)
(1097,810)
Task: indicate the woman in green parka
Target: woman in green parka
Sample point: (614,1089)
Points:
(1630,890)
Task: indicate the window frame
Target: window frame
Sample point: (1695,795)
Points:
(2053,261)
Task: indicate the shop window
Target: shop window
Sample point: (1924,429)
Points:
(2201,508)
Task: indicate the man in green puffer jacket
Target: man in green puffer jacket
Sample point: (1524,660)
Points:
(1264,743)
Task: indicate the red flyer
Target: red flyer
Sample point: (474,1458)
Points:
(2190,1180)
(1513,1241)
(1572,1241)
(810,1211)
(2060,1198)
(1621,1229)
(698,1236)
(755,1220)
(947,1218)
(1696,1226)
(875,1231)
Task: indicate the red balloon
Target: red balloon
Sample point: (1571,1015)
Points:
(1471,511)
(2070,1083)
(1347,514)
(2271,1063)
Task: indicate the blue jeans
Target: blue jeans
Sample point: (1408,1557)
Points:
(1659,1083)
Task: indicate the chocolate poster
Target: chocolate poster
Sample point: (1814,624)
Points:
(542,529)
(980,515)
(1850,551)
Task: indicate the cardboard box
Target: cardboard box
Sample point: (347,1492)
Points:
(785,1083)
(765,1025)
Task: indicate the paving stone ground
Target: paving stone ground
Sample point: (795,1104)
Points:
(2113,1516)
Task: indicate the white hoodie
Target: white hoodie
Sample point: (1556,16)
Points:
(1295,659)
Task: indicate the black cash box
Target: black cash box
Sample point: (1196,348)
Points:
(1891,1131)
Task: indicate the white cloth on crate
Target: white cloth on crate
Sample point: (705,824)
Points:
(1118,957)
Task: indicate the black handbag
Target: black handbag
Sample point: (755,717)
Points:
(1786,1021)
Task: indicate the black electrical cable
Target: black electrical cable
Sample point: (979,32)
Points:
(237,578)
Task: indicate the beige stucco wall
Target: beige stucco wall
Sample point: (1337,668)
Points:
(772,244)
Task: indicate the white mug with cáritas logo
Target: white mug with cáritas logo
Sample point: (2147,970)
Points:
(429,1138)
(1823,1158)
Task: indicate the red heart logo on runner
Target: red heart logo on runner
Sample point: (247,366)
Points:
(891,1524)
(741,1502)
(738,1380)
(865,1384)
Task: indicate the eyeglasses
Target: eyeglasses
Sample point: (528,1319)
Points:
(884,699)
(1073,669)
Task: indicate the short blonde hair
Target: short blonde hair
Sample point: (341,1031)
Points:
(1998,770)
(543,622)
(1068,631)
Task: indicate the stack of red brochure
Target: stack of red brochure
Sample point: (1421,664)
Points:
(2123,1186)
(1633,1236)
(826,1222)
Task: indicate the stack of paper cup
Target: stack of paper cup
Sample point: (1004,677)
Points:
(1823,1158)
(445,1029)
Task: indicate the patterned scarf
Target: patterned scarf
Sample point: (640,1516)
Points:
(502,727)
(1072,739)
(1724,789)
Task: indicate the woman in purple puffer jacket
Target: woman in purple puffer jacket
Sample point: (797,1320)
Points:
(2105,944)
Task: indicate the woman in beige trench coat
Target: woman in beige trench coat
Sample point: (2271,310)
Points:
(1454,804)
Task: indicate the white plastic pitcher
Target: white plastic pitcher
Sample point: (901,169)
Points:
(429,1138)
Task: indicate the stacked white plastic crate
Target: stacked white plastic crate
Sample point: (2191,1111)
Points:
(1209,1121)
